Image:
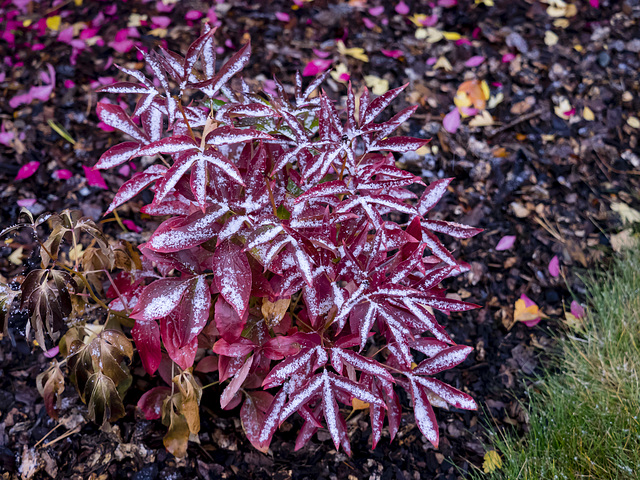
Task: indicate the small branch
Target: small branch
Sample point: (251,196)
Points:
(520,119)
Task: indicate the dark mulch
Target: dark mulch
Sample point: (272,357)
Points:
(550,181)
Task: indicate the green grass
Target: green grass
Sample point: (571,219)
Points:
(585,418)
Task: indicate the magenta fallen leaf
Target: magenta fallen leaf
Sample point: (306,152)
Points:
(508,57)
(376,11)
(402,8)
(314,67)
(506,243)
(283,16)
(554,266)
(94,178)
(451,121)
(392,53)
(577,310)
(130,224)
(27,170)
(62,174)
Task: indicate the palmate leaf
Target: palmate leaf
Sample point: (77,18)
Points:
(46,296)
(103,401)
(106,354)
(50,384)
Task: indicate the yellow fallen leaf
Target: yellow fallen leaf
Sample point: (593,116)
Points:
(355,52)
(561,23)
(75,253)
(633,122)
(158,32)
(623,240)
(358,404)
(485,89)
(78,3)
(578,48)
(338,72)
(523,313)
(588,115)
(377,85)
(430,34)
(483,119)
(550,38)
(26,23)
(495,100)
(16,256)
(627,214)
(572,321)
(417,19)
(492,461)
(53,22)
(443,63)
(471,93)
(487,3)
(561,109)
(135,19)
(451,35)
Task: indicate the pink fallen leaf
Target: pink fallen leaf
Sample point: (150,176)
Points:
(594,3)
(283,16)
(193,15)
(27,170)
(402,8)
(451,121)
(508,57)
(69,83)
(321,53)
(5,137)
(161,21)
(376,11)
(26,202)
(577,310)
(368,23)
(447,3)
(554,266)
(506,243)
(314,67)
(20,100)
(475,61)
(66,35)
(52,352)
(94,178)
(392,53)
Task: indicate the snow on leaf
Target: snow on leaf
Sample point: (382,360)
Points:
(424,415)
(232,275)
(443,360)
(235,383)
(117,155)
(160,298)
(116,117)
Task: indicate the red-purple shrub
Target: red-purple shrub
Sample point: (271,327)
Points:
(293,251)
